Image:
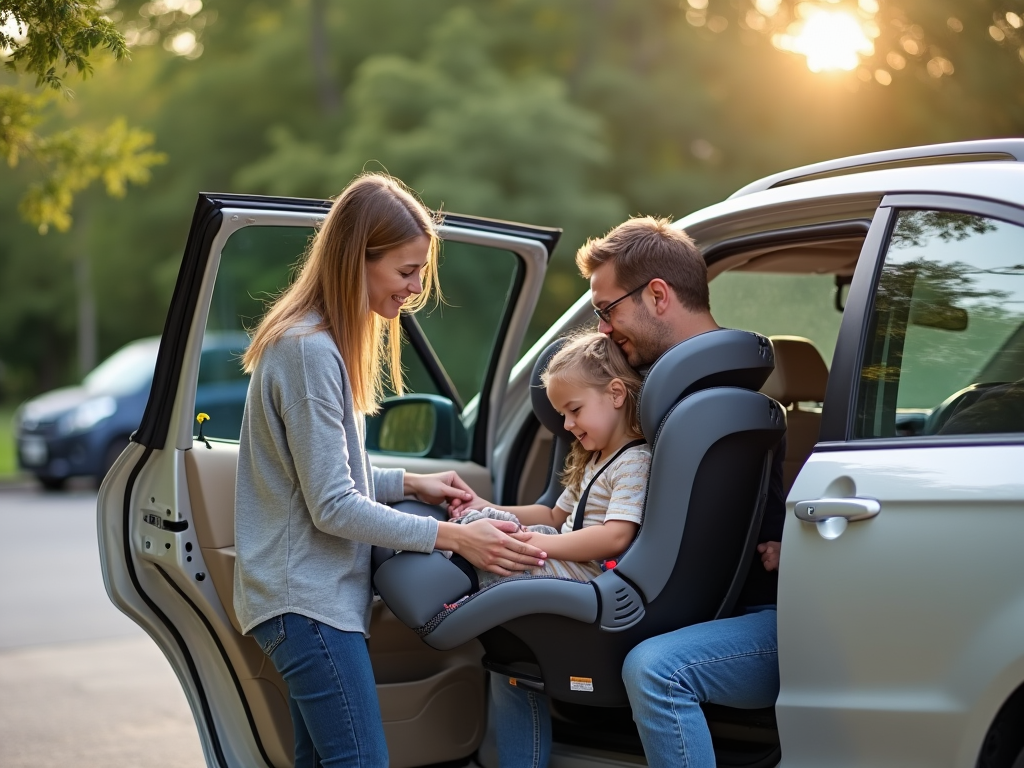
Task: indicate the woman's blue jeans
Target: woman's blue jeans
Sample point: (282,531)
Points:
(332,696)
(733,662)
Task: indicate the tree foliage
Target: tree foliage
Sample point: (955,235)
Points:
(573,113)
(49,39)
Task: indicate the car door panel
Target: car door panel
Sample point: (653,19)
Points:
(167,536)
(879,640)
(900,634)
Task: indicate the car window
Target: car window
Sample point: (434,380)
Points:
(476,282)
(945,350)
(256,263)
(126,371)
(774,305)
(462,329)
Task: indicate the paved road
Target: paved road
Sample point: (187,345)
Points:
(80,684)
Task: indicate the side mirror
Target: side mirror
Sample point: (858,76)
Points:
(417,425)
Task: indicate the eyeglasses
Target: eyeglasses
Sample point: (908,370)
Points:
(605,313)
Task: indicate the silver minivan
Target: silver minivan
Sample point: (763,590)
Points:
(892,286)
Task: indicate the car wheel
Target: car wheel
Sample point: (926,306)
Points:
(52,483)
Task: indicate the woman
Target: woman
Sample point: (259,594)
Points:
(307,502)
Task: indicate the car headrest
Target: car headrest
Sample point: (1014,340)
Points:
(800,372)
(721,358)
(542,407)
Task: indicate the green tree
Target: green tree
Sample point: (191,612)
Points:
(470,137)
(48,40)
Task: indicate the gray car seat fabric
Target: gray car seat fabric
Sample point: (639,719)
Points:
(552,421)
(712,437)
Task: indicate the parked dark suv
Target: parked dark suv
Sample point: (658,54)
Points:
(81,430)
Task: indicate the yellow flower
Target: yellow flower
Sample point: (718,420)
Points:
(202,417)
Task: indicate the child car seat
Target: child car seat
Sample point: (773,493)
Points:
(712,436)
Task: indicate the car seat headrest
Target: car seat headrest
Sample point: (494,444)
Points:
(800,372)
(720,358)
(542,407)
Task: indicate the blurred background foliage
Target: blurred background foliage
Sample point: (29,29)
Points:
(569,113)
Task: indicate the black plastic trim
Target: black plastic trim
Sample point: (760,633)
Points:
(425,351)
(206,223)
(981,440)
(478,452)
(193,671)
(227,663)
(841,390)
(808,233)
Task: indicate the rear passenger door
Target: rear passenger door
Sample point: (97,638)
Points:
(901,600)
(166,508)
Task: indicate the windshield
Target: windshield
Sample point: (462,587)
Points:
(126,371)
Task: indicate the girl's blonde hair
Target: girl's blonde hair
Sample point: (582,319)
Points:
(372,215)
(593,360)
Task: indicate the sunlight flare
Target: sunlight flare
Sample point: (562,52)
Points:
(829,39)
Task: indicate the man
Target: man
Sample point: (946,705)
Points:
(649,288)
(648,283)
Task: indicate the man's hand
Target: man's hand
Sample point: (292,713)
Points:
(770,554)
(487,544)
(438,487)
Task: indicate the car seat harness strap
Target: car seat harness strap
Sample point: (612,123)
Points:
(581,505)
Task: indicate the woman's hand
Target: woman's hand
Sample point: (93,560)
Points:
(770,551)
(488,545)
(438,487)
(459,507)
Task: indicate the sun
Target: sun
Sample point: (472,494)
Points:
(830,39)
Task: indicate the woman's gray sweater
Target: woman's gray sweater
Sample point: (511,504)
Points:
(306,498)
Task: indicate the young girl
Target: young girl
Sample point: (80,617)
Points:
(591,384)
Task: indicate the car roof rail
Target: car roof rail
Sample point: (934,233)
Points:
(907,157)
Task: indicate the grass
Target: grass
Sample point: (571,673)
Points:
(8,459)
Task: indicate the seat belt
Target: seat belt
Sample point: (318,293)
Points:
(581,505)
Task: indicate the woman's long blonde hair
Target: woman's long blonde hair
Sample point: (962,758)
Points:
(372,215)
(593,360)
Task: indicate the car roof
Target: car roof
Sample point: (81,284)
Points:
(849,197)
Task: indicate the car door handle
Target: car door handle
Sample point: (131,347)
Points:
(822,509)
(831,516)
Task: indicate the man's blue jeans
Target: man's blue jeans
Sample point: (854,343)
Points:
(733,662)
(332,696)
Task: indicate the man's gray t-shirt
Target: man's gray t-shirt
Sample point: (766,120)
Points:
(307,501)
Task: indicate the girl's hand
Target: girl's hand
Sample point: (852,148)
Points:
(488,545)
(459,507)
(438,487)
(770,551)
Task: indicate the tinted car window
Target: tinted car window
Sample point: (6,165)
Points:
(945,351)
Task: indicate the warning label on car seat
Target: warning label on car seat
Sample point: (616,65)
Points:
(585,684)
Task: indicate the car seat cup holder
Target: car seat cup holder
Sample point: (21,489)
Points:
(712,436)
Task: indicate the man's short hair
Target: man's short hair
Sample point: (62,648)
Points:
(644,248)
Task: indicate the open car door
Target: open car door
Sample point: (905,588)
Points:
(166,509)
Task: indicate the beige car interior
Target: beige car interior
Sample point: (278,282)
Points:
(419,688)
(798,383)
